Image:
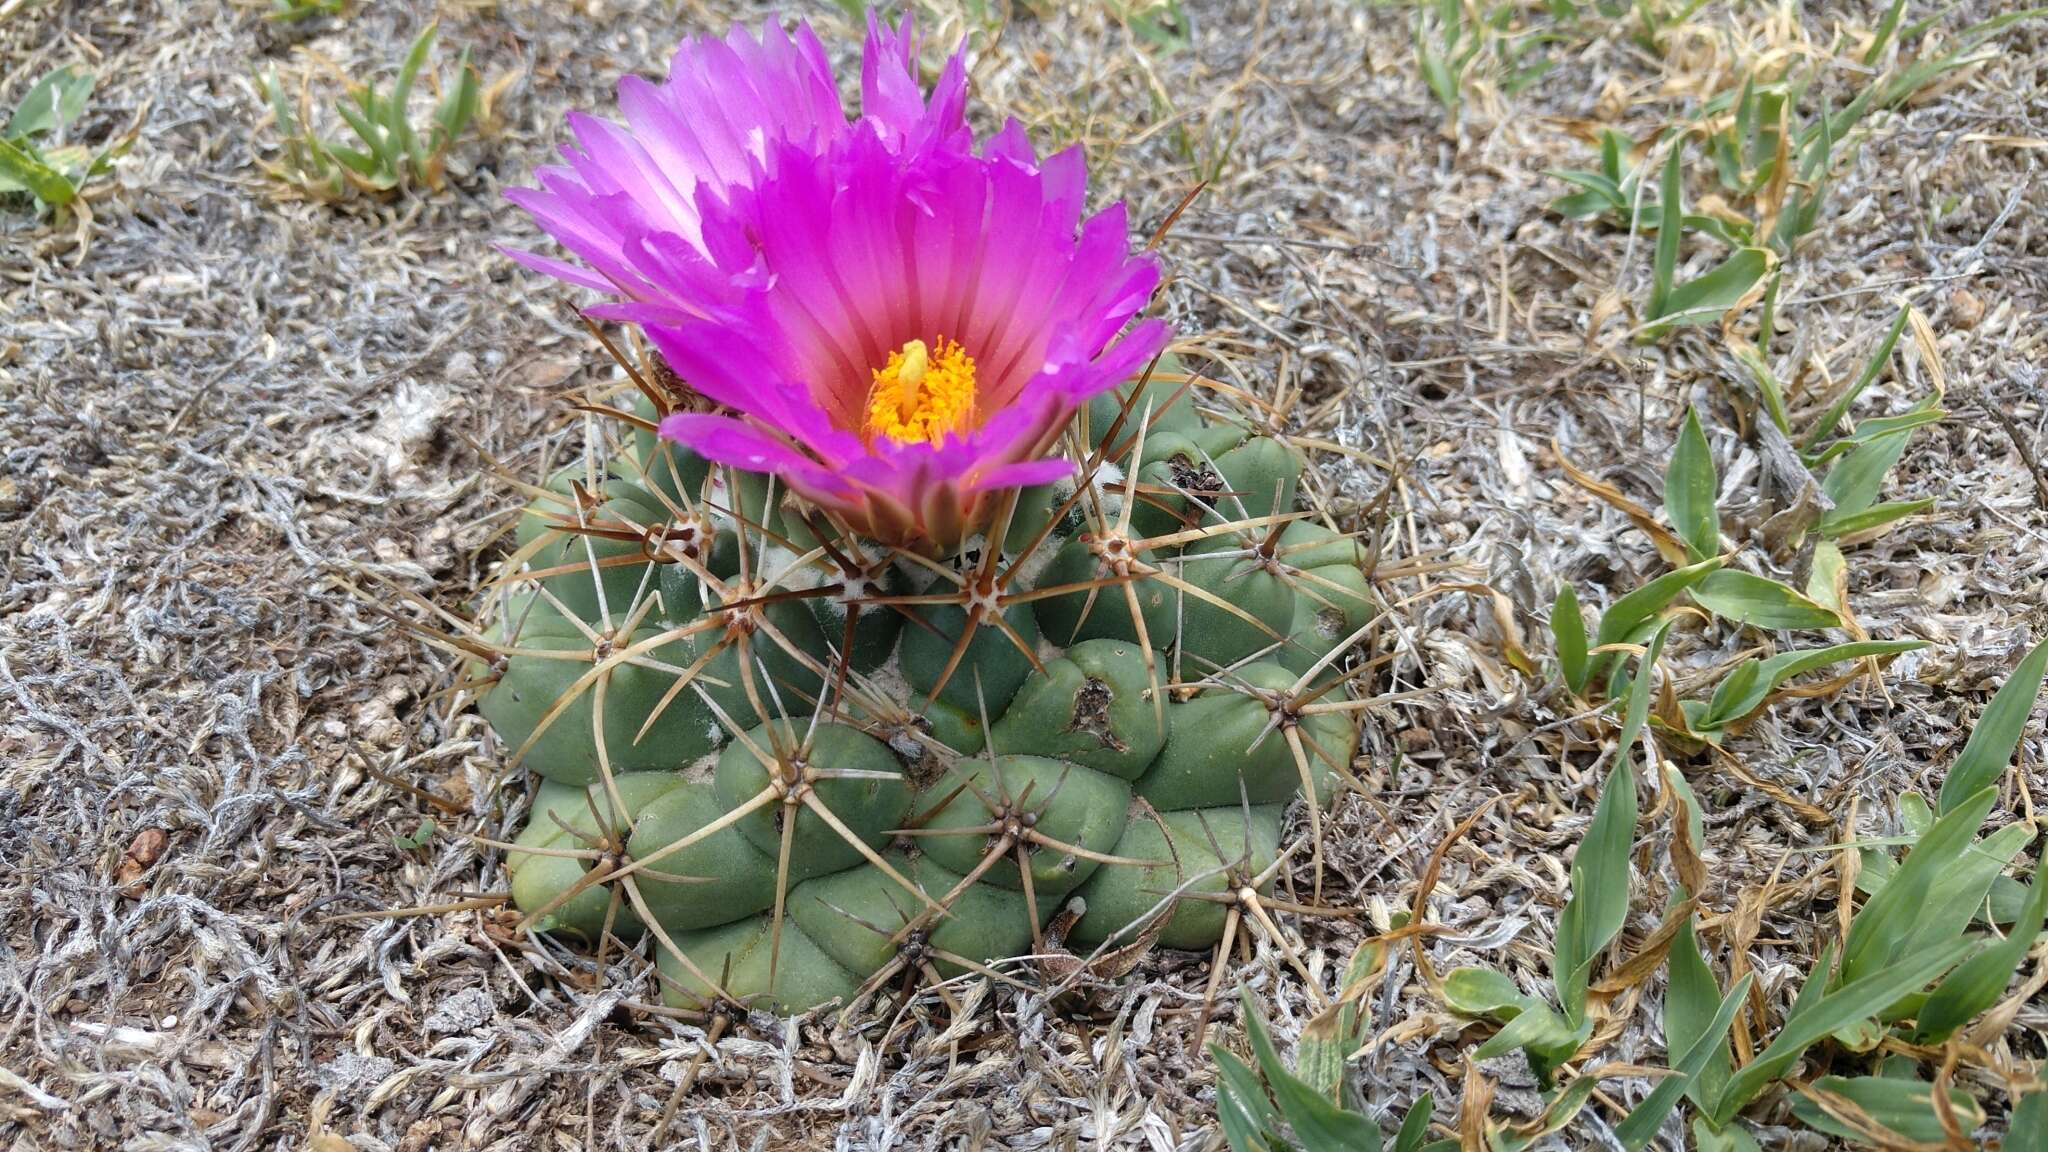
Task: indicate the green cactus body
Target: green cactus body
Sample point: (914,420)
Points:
(834,767)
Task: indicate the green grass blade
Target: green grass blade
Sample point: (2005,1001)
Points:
(1247,1117)
(1664,268)
(1714,292)
(1640,1127)
(1977,983)
(1878,359)
(1568,636)
(1768,390)
(1745,598)
(2029,1129)
(1904,1107)
(1855,481)
(55,101)
(1318,1124)
(1637,608)
(1813,1020)
(1959,893)
(1990,747)
(1886,28)
(21,166)
(1732,701)
(1874,517)
(1690,486)
(396,119)
(1484,992)
(1598,905)
(1415,1126)
(1883,925)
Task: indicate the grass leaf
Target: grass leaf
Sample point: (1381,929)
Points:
(1598,905)
(1989,750)
(55,101)
(1637,608)
(2029,1128)
(1415,1126)
(1854,481)
(1568,636)
(26,170)
(1640,1127)
(1247,1117)
(1885,28)
(1690,486)
(1483,992)
(1737,697)
(1977,983)
(1959,891)
(1320,1125)
(1885,923)
(1874,517)
(1664,267)
(1903,1107)
(1707,297)
(1744,598)
(1814,1018)
(1825,426)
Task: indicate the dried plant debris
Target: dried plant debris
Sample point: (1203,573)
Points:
(251,899)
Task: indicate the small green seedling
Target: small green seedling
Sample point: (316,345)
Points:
(1588,662)
(1911,969)
(1614,193)
(1271,1109)
(37,164)
(1160,23)
(293,11)
(1705,298)
(1550,1034)
(422,835)
(1454,39)
(390,155)
(1858,461)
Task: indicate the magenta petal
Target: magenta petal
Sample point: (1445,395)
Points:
(560,269)
(776,255)
(724,440)
(1023,474)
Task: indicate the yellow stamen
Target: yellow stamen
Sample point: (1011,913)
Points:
(922,394)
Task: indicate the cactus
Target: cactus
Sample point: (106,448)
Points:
(806,764)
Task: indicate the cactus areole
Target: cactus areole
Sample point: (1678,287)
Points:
(904,598)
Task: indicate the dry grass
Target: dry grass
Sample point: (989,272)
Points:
(232,402)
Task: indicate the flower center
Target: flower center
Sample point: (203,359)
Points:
(923,394)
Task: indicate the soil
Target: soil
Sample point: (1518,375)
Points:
(239,426)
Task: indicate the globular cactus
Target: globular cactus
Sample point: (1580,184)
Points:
(807,764)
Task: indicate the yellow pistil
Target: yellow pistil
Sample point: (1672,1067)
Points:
(922,394)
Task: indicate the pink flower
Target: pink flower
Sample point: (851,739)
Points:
(895,323)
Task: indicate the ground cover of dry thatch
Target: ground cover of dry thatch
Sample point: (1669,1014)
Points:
(232,402)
